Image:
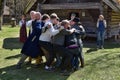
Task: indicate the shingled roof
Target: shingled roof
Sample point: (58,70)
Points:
(114,4)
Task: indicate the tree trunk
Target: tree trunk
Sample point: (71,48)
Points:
(0,13)
(2,4)
(0,22)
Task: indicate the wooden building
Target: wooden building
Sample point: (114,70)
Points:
(87,10)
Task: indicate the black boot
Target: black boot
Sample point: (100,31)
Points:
(82,64)
(18,66)
(28,63)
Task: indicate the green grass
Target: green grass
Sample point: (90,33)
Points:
(99,65)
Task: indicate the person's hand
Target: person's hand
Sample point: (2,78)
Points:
(61,28)
(73,29)
(49,25)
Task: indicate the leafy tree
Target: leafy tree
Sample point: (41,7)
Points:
(17,6)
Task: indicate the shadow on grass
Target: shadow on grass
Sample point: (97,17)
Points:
(93,47)
(29,73)
(14,56)
(107,45)
(104,65)
(11,43)
(106,59)
(91,50)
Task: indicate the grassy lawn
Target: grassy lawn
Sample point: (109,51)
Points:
(99,64)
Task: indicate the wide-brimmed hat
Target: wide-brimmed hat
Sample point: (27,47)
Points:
(76,19)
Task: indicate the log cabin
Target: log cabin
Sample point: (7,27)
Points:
(87,10)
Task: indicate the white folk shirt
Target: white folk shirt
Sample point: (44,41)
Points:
(21,22)
(46,36)
(29,25)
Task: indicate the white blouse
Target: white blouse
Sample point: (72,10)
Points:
(29,25)
(21,22)
(46,36)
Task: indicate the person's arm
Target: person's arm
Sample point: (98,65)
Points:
(97,23)
(45,27)
(105,23)
(20,23)
(67,32)
(80,31)
(29,23)
(52,30)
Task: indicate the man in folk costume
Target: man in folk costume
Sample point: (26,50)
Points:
(31,47)
(23,30)
(56,25)
(59,48)
(79,33)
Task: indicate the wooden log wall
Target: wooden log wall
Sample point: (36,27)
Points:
(69,1)
(115,18)
(65,14)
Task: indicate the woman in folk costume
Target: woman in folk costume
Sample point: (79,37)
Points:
(29,23)
(23,30)
(44,18)
(31,47)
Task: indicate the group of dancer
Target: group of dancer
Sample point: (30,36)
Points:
(59,42)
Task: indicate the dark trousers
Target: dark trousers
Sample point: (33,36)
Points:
(77,54)
(81,56)
(75,61)
(65,54)
(49,48)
